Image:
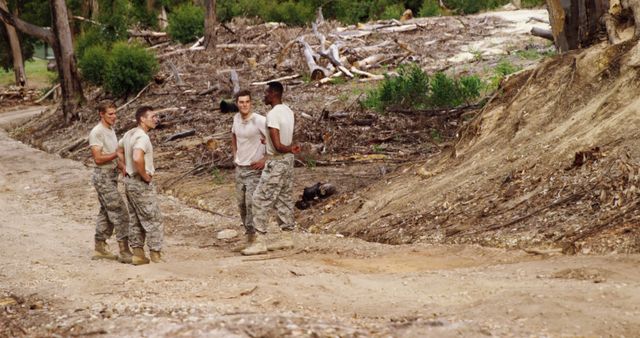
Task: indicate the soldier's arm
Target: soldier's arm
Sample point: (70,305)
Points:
(99,157)
(274,134)
(121,164)
(234,145)
(138,163)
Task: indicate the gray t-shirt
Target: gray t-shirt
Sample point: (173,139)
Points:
(281,118)
(249,135)
(105,138)
(137,138)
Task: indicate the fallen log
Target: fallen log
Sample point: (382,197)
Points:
(541,32)
(48,93)
(369,61)
(176,75)
(316,71)
(180,135)
(236,82)
(369,75)
(280,79)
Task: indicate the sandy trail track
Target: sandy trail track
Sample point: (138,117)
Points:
(327,286)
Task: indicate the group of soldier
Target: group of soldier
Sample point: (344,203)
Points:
(263,153)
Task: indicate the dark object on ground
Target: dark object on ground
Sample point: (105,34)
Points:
(228,107)
(180,135)
(313,193)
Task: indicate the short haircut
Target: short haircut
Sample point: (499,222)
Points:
(103,106)
(276,87)
(243,93)
(142,111)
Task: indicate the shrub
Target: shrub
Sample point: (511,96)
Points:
(408,89)
(533,3)
(93,64)
(90,38)
(186,24)
(290,12)
(129,69)
(414,89)
(429,8)
(473,6)
(392,12)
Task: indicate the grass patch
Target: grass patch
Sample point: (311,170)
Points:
(37,75)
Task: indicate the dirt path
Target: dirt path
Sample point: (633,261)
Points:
(328,286)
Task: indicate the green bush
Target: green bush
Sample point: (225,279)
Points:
(93,64)
(473,6)
(90,38)
(186,23)
(414,89)
(290,12)
(533,3)
(392,12)
(129,69)
(407,90)
(429,8)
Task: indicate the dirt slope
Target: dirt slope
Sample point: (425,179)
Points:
(333,287)
(552,160)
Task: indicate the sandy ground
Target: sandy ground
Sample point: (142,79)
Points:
(326,286)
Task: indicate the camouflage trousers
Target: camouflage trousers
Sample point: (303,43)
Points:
(113,211)
(146,220)
(275,191)
(247,180)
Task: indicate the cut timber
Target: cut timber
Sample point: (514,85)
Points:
(369,75)
(541,32)
(179,135)
(280,79)
(176,75)
(333,55)
(235,81)
(48,93)
(369,61)
(316,71)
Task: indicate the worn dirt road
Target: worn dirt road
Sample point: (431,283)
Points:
(327,286)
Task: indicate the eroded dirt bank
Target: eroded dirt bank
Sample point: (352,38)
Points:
(327,286)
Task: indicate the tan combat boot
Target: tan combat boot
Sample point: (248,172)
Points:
(138,257)
(285,241)
(256,248)
(125,254)
(102,251)
(250,239)
(156,256)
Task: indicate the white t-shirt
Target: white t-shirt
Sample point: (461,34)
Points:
(281,118)
(249,136)
(105,138)
(136,138)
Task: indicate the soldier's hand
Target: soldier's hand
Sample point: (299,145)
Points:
(258,165)
(296,149)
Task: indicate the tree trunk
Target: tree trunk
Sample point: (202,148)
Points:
(210,25)
(16,51)
(67,69)
(576,23)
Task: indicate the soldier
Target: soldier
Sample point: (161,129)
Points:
(276,182)
(247,143)
(146,221)
(113,212)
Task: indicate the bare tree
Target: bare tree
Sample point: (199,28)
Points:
(210,22)
(59,38)
(16,51)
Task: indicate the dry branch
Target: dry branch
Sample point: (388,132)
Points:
(48,93)
(280,79)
